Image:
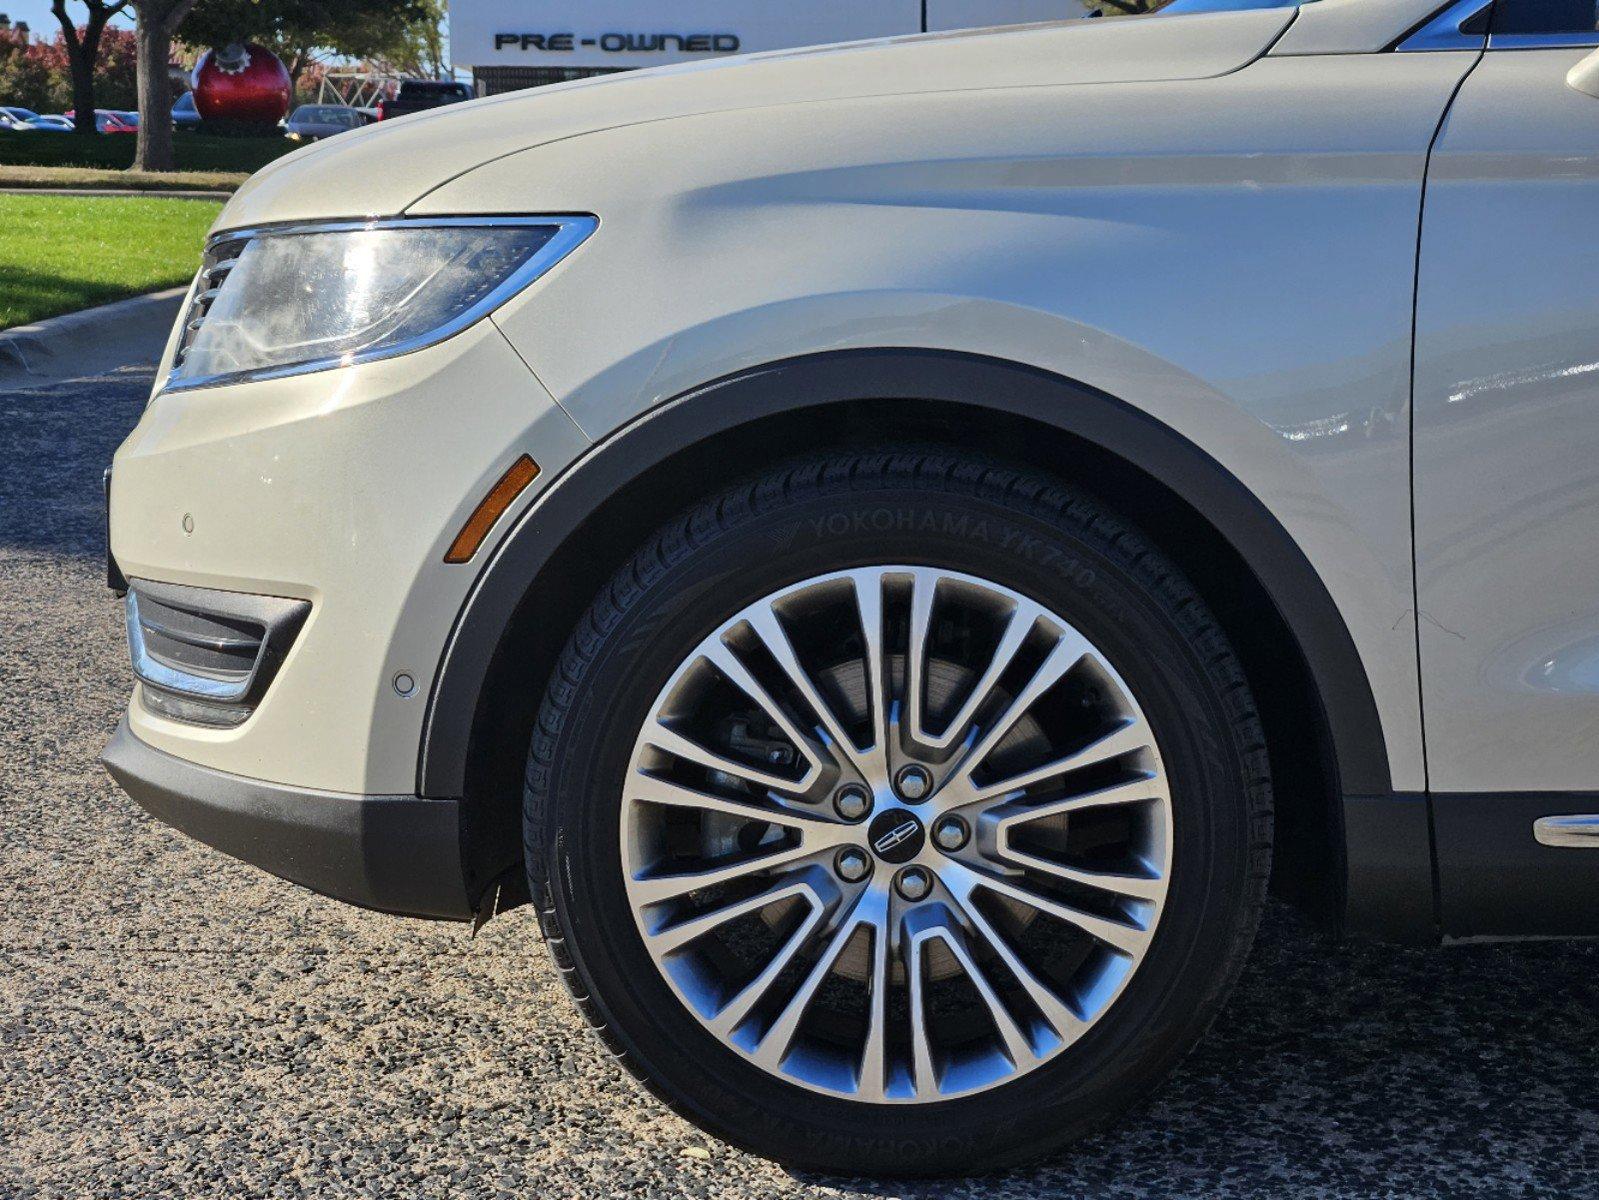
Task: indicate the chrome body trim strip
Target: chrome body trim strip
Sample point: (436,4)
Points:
(1571,39)
(1578,831)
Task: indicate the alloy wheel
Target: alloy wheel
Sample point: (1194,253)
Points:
(896,834)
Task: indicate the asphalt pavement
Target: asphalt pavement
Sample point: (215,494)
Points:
(175,1024)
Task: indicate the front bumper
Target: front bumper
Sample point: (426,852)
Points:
(396,854)
(342,489)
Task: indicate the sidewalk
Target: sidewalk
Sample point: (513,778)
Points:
(96,179)
(162,193)
(92,342)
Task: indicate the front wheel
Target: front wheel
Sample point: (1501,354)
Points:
(899,813)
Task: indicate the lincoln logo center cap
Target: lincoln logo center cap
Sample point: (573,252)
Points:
(896,835)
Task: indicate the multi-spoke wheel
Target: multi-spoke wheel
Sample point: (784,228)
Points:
(912,781)
(908,825)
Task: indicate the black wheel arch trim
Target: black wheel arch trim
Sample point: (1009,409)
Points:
(974,381)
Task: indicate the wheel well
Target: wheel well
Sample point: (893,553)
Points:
(1308,866)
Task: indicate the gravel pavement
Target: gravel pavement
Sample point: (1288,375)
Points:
(173,1023)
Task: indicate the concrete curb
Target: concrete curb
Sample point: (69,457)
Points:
(89,342)
(158,193)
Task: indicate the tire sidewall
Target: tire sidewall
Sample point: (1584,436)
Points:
(1107,584)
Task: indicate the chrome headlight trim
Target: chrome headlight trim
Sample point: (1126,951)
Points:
(571,231)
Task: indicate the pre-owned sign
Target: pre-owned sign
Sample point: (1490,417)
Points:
(623,43)
(637,33)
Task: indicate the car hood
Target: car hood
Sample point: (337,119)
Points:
(382,169)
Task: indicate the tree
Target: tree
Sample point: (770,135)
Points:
(158,22)
(83,51)
(38,75)
(418,48)
(301,31)
(25,75)
(116,82)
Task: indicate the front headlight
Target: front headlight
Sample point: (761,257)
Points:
(283,300)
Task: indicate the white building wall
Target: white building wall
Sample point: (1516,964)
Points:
(588,34)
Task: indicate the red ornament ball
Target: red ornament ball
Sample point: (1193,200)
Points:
(241,82)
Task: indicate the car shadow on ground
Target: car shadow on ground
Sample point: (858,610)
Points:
(1352,1070)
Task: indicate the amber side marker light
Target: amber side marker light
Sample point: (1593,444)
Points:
(521,473)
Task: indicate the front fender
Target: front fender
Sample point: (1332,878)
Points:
(815,381)
(1233,257)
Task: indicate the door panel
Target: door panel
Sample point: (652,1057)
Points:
(1507,434)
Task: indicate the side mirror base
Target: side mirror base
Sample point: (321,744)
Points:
(1584,77)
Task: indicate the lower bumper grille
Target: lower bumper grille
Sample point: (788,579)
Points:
(207,657)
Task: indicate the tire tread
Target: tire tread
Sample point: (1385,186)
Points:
(842,471)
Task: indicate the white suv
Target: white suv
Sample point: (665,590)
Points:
(891,548)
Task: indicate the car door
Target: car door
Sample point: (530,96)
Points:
(1506,477)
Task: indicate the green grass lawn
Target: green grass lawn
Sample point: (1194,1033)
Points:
(62,253)
(114,151)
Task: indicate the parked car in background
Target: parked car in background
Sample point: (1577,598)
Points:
(312,122)
(14,117)
(932,529)
(108,121)
(184,114)
(415,95)
(51,123)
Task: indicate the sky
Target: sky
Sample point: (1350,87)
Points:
(41,20)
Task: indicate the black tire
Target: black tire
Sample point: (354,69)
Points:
(1031,534)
